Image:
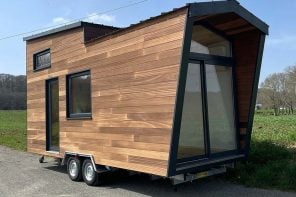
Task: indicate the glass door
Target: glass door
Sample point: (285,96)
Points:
(52,115)
(220,108)
(192,139)
(208,126)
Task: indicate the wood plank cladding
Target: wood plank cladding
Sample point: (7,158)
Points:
(228,23)
(134,82)
(245,43)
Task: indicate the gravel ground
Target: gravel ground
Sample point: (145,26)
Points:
(22,175)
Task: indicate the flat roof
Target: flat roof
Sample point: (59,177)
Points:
(66,28)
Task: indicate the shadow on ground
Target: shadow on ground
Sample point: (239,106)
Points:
(269,166)
(142,184)
(57,168)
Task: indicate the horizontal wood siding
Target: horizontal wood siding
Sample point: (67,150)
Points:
(134,80)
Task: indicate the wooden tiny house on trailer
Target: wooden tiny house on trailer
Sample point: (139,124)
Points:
(170,96)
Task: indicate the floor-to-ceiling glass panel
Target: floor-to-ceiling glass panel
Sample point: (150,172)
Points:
(220,108)
(191,141)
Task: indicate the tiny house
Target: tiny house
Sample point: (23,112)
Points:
(172,96)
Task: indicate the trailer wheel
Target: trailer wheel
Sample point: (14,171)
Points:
(74,169)
(90,176)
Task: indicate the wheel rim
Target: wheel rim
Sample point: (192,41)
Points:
(73,168)
(89,172)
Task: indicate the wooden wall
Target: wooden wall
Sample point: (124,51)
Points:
(246,46)
(134,81)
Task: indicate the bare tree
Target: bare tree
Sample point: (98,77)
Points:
(291,87)
(278,91)
(274,89)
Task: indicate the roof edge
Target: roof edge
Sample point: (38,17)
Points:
(141,22)
(53,31)
(220,7)
(65,28)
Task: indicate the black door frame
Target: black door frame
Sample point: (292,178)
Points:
(202,60)
(188,57)
(49,114)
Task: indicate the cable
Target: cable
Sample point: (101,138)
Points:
(75,20)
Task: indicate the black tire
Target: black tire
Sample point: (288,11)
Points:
(74,169)
(90,176)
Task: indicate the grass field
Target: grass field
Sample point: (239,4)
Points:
(13,129)
(272,161)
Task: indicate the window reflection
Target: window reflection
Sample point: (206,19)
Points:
(79,94)
(207,42)
(191,141)
(220,108)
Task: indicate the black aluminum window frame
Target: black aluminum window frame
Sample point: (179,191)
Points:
(74,116)
(202,60)
(196,10)
(215,31)
(48,112)
(36,67)
(187,57)
(216,60)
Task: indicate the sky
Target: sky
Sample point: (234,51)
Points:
(18,16)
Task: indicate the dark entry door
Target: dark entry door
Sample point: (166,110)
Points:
(52,115)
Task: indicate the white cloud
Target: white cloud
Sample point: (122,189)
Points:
(59,20)
(100,18)
(93,18)
(56,22)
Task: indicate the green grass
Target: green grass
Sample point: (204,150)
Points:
(13,129)
(272,159)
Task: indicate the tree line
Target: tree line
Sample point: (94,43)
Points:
(278,92)
(13,92)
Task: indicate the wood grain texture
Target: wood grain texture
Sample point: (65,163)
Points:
(134,82)
(245,43)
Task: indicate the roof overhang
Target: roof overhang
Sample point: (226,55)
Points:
(220,7)
(67,28)
(53,31)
